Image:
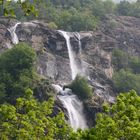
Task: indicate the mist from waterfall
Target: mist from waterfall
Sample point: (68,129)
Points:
(74,107)
(12,31)
(73,66)
(82,72)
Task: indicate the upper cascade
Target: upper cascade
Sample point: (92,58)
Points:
(73,65)
(82,71)
(12,31)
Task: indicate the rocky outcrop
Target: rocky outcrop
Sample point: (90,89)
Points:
(95,54)
(50,45)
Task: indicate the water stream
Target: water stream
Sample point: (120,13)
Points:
(74,107)
(12,31)
(73,66)
(70,101)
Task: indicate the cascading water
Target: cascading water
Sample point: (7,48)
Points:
(70,101)
(14,36)
(82,72)
(74,107)
(73,66)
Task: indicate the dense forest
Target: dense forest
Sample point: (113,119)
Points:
(70,15)
(27,115)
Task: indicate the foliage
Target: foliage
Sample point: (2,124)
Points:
(52,25)
(125,80)
(127,75)
(134,64)
(129,9)
(71,15)
(30,119)
(16,70)
(57,12)
(26,6)
(119,121)
(81,88)
(120,59)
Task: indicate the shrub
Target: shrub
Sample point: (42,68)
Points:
(52,25)
(81,88)
(120,59)
(125,80)
(135,64)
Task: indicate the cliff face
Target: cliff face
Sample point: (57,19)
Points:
(93,51)
(95,54)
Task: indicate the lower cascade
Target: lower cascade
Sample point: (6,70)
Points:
(73,106)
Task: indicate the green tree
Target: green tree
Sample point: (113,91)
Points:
(17,72)
(125,80)
(29,119)
(134,64)
(119,121)
(120,59)
(28,7)
(124,8)
(81,88)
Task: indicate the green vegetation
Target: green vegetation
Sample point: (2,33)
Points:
(81,88)
(119,121)
(10,7)
(125,80)
(134,63)
(26,117)
(24,113)
(16,70)
(127,74)
(29,119)
(71,15)
(129,9)
(120,59)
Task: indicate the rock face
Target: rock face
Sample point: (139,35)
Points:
(96,54)
(96,49)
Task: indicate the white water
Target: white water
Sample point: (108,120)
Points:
(75,110)
(12,31)
(74,107)
(82,72)
(70,101)
(73,66)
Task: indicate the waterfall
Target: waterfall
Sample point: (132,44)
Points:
(75,110)
(74,107)
(70,101)
(82,71)
(73,66)
(12,31)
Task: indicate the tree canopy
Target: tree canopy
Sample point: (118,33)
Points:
(17,72)
(30,119)
(119,121)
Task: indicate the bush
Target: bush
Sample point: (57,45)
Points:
(120,59)
(135,64)
(52,25)
(81,88)
(125,80)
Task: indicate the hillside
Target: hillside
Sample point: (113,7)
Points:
(94,53)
